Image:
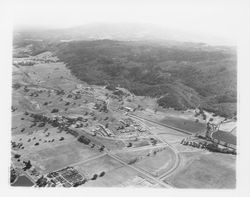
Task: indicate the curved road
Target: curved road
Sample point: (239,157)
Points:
(177,156)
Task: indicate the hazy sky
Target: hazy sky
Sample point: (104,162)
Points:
(216,17)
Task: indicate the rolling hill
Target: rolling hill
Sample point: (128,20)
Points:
(180,75)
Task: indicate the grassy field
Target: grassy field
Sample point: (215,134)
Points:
(159,163)
(52,159)
(51,155)
(132,155)
(155,164)
(119,177)
(185,124)
(205,171)
(96,166)
(185,120)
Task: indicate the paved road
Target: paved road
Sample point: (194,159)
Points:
(89,159)
(160,182)
(161,145)
(177,156)
(177,163)
(164,175)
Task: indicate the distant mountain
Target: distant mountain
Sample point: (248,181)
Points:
(118,31)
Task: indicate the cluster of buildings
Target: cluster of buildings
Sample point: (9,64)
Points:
(80,89)
(222,134)
(128,125)
(209,143)
(102,131)
(101,106)
(66,177)
(196,144)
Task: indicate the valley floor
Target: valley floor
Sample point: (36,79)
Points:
(74,134)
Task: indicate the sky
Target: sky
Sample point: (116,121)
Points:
(215,17)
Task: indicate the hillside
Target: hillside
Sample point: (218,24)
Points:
(180,75)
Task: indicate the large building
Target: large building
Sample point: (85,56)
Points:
(223,134)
